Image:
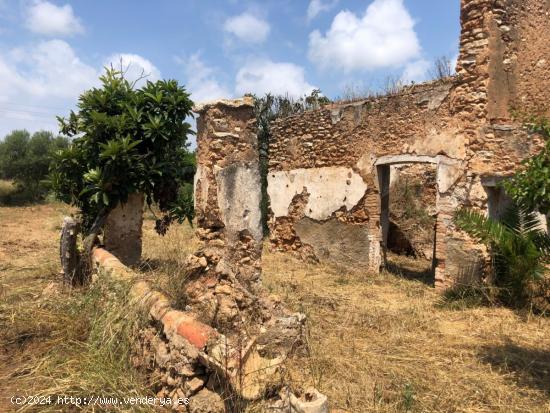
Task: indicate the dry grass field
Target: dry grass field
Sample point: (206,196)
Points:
(379,343)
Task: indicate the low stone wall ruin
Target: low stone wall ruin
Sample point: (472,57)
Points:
(188,359)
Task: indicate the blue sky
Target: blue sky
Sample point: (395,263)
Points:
(50,51)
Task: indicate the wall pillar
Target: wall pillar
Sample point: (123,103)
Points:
(123,230)
(227,186)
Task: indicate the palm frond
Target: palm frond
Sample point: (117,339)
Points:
(518,244)
(521,220)
(542,240)
(483,229)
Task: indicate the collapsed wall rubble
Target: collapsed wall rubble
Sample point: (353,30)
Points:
(228,345)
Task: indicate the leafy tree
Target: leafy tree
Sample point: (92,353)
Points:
(269,108)
(126,140)
(519,247)
(26,160)
(13,152)
(531,185)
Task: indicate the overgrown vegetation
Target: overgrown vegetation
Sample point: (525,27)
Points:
(25,160)
(56,341)
(412,210)
(89,340)
(531,185)
(519,247)
(375,341)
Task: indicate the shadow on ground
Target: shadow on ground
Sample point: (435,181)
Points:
(410,268)
(527,366)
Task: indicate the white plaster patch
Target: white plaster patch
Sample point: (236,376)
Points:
(200,175)
(329,189)
(239,197)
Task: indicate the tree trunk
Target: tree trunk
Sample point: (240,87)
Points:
(85,266)
(68,253)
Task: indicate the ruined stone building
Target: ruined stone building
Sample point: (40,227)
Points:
(329,169)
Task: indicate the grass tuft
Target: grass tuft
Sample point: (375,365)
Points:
(87,340)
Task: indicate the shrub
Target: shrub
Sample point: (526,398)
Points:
(126,141)
(530,185)
(519,249)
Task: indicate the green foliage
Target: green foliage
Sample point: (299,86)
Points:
(531,185)
(406,203)
(13,152)
(126,140)
(26,160)
(519,248)
(267,109)
(465,296)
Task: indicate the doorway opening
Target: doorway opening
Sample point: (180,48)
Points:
(408,219)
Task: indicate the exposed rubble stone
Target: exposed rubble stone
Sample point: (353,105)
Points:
(206,401)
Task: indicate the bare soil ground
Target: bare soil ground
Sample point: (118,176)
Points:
(377,343)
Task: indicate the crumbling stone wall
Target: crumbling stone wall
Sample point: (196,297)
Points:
(223,287)
(227,203)
(463,124)
(339,145)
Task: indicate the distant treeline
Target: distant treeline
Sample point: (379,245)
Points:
(25,160)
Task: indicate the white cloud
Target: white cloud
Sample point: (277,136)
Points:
(200,80)
(265,76)
(318,6)
(248,28)
(42,80)
(48,69)
(39,82)
(134,67)
(46,18)
(383,37)
(416,71)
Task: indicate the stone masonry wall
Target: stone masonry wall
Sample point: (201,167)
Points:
(464,124)
(227,203)
(328,156)
(223,285)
